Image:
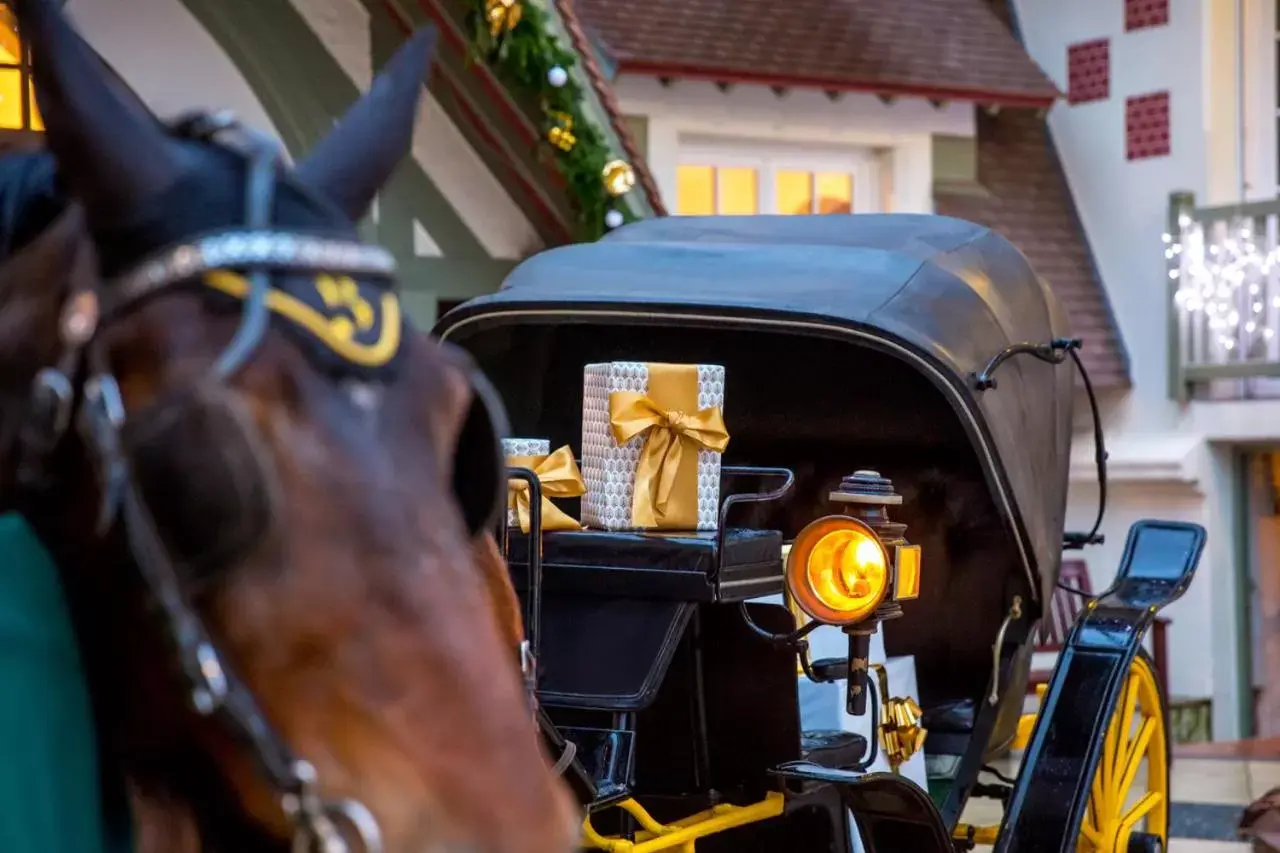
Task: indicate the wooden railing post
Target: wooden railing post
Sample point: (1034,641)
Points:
(1181,207)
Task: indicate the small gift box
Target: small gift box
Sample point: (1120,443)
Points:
(558,475)
(652,438)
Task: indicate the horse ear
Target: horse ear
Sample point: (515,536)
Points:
(110,149)
(352,163)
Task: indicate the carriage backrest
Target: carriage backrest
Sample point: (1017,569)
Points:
(1064,606)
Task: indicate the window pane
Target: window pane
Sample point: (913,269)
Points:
(738,191)
(10,47)
(695,190)
(835,192)
(793,192)
(10,99)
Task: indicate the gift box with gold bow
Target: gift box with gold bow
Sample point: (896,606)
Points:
(652,438)
(558,475)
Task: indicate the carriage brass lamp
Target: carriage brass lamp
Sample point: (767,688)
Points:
(839,571)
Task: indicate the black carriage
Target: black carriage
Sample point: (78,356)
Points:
(924,355)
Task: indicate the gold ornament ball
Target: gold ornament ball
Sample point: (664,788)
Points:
(502,15)
(562,138)
(618,177)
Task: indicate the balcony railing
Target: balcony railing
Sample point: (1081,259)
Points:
(1223,265)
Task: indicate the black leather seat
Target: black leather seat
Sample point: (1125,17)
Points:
(955,717)
(950,726)
(835,749)
(684,552)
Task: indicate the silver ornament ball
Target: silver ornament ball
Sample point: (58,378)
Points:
(613,219)
(557,76)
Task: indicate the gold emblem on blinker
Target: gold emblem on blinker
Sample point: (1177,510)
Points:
(351,312)
(335,310)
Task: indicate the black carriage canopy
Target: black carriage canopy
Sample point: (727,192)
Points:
(849,342)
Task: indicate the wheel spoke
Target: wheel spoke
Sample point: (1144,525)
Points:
(1146,729)
(1140,810)
(1121,724)
(1108,748)
(1097,804)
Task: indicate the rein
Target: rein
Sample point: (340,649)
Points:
(79,391)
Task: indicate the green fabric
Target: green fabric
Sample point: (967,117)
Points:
(49,782)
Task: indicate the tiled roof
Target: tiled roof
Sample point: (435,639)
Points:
(945,49)
(1030,203)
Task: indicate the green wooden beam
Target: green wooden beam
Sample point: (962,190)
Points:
(1227,212)
(1252,369)
(304,90)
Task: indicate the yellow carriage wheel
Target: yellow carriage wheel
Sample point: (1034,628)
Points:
(1128,809)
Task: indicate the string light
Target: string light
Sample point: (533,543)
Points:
(1224,281)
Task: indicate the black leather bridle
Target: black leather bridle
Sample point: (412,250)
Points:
(79,392)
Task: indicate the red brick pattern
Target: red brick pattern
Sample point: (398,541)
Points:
(1140,14)
(1146,126)
(1089,71)
(950,49)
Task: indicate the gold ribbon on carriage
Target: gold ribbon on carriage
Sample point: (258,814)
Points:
(901,735)
(559,477)
(675,429)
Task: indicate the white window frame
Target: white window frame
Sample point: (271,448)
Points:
(768,158)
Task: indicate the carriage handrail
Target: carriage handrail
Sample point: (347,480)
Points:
(785,474)
(533,608)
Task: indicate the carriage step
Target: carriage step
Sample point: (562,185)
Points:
(887,806)
(575,773)
(606,756)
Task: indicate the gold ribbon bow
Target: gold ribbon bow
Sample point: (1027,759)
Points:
(560,478)
(901,735)
(666,486)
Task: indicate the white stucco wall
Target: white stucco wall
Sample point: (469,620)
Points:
(698,111)
(1167,460)
(185,69)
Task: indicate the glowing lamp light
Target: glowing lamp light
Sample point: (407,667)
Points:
(838,571)
(906,564)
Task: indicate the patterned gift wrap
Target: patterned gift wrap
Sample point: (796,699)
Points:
(523,447)
(610,469)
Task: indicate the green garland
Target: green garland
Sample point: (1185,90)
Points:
(522,58)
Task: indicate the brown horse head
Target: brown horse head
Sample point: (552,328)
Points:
(296,520)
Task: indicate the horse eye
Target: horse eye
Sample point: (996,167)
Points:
(201,473)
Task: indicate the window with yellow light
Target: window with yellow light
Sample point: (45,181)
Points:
(727,190)
(813,192)
(18,109)
(704,190)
